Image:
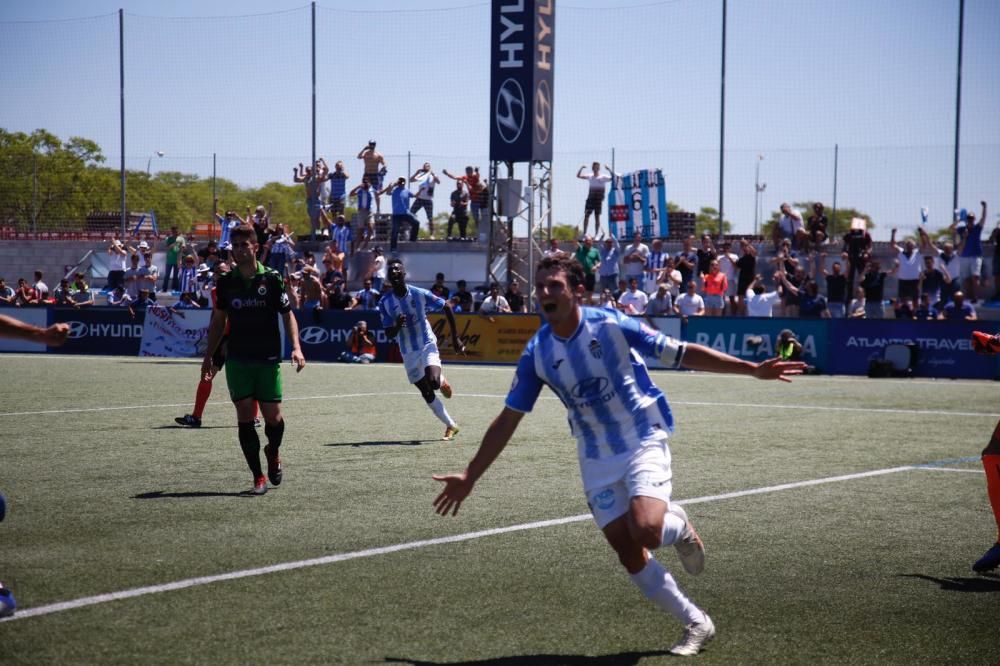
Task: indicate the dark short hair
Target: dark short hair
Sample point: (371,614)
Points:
(566,263)
(243,231)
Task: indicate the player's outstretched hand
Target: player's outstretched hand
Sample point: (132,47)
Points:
(298,360)
(456,488)
(55,334)
(207,370)
(458,346)
(775,368)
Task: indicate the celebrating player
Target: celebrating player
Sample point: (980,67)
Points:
(249,298)
(590,357)
(984,343)
(404,316)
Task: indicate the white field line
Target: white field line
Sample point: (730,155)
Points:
(497,396)
(385,550)
(950,469)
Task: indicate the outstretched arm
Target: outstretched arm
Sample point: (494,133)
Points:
(455,342)
(458,486)
(52,336)
(698,357)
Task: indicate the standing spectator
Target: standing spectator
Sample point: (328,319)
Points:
(633,301)
(706,255)
(909,262)
(715,285)
(334,254)
(789,226)
(610,255)
(463,295)
(494,303)
(367,297)
(995,240)
(401,215)
(595,195)
(759,301)
(25,294)
(479,194)
(227,223)
(934,282)
(338,189)
(747,267)
(970,250)
(119,299)
(375,169)
(313,179)
(552,249)
(132,278)
(189,276)
(116,264)
(656,260)
(185,302)
(63,294)
(82,295)
(728,262)
(811,305)
(690,304)
(789,299)
(590,258)
(171,272)
(261,220)
(926,309)
(515,298)
(635,258)
(426,179)
(439,288)
(816,227)
(857,248)
(858,307)
(360,345)
(210,253)
(148,275)
(459,212)
(41,289)
(873,283)
(378,269)
(366,222)
(958,309)
(661,304)
(278,250)
(342,235)
(686,260)
(313,294)
(836,286)
(6,293)
(338,298)
(672,278)
(607,300)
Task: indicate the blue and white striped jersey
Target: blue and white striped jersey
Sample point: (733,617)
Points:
(600,376)
(226,227)
(416,332)
(365,197)
(189,280)
(342,235)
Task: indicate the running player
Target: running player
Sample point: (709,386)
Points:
(984,343)
(404,316)
(592,359)
(249,298)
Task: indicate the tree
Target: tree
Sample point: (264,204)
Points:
(707,222)
(834,229)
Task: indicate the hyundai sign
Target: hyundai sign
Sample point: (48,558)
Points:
(522,55)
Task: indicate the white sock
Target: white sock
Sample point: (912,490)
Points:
(673,528)
(660,587)
(439,411)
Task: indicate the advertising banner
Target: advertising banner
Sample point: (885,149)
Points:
(181,334)
(35,317)
(521,80)
(324,335)
(637,201)
(755,339)
(496,339)
(100,330)
(944,348)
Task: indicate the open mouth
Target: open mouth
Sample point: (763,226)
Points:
(549,307)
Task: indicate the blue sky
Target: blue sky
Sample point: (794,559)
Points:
(642,78)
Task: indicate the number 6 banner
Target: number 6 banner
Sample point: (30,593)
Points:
(638,202)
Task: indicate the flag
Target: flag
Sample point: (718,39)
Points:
(638,202)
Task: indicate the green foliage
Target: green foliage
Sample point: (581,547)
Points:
(835,228)
(565,232)
(707,222)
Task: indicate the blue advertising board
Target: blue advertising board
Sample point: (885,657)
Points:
(944,348)
(109,331)
(323,334)
(755,339)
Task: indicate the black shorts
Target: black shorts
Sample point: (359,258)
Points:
(594,202)
(375,180)
(219,357)
(426,204)
(908,289)
(336,206)
(589,281)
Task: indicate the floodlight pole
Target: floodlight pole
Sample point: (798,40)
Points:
(958,106)
(312,164)
(722,120)
(121,113)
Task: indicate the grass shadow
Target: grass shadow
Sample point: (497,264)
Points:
(161,494)
(620,659)
(982,583)
(386,442)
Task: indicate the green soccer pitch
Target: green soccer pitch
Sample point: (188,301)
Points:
(127,539)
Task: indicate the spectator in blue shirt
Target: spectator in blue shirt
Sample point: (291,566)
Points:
(958,309)
(401,214)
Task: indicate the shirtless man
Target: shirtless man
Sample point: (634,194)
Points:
(375,169)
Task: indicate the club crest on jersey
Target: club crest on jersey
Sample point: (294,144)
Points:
(262,290)
(595,348)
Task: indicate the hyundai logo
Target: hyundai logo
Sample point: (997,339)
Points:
(314,335)
(543,112)
(590,387)
(77,329)
(510,110)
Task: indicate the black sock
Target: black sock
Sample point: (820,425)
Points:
(250,443)
(274,433)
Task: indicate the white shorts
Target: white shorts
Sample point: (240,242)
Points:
(645,473)
(970,267)
(416,361)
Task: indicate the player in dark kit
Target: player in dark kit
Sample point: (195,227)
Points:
(249,298)
(984,343)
